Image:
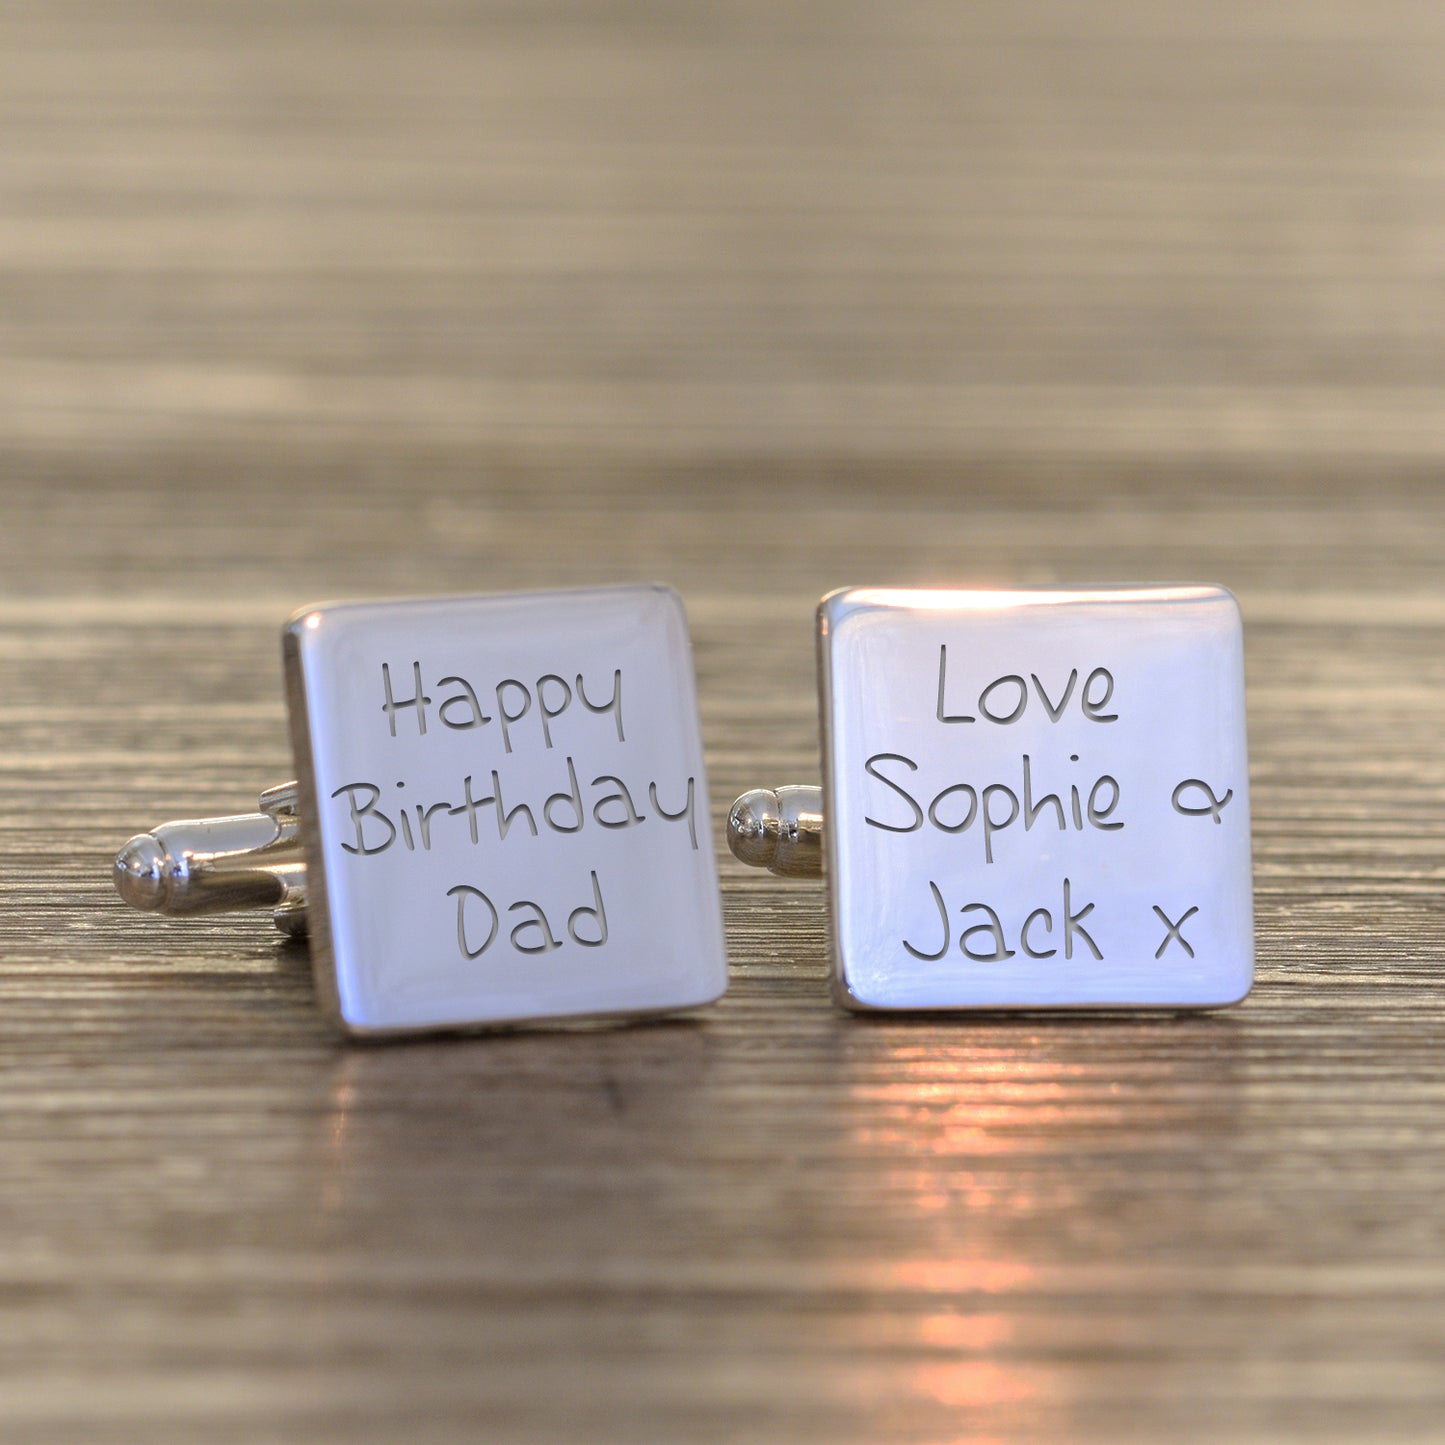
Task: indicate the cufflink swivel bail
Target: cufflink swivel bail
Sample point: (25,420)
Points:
(219,865)
(780,830)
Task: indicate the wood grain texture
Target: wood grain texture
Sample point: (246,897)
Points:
(306,300)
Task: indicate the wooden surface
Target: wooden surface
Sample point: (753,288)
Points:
(302,300)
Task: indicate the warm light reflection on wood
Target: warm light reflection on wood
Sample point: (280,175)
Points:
(955,1134)
(959,1276)
(338,1120)
(964,1332)
(974,1383)
(931,1104)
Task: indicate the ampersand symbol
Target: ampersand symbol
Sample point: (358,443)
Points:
(1212,809)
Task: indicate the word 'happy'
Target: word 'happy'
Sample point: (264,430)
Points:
(461,710)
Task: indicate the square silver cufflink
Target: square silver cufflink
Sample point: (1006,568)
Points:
(500,814)
(1031,799)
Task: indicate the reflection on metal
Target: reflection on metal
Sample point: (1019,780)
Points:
(216,865)
(780,830)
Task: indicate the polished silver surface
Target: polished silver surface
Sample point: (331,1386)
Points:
(504,809)
(213,865)
(1036,798)
(779,829)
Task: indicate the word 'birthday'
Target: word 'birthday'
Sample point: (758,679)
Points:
(609,804)
(461,710)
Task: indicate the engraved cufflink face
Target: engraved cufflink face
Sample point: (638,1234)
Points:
(504,809)
(1036,798)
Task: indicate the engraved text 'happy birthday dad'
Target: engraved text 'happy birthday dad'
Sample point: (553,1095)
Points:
(552,715)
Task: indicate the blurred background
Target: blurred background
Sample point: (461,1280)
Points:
(499,270)
(330,298)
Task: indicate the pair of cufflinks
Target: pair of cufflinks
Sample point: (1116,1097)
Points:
(1030,799)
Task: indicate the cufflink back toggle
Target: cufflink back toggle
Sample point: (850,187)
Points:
(216,865)
(779,829)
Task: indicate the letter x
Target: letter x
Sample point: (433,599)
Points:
(1174,930)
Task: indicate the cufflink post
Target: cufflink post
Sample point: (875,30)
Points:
(779,829)
(217,865)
